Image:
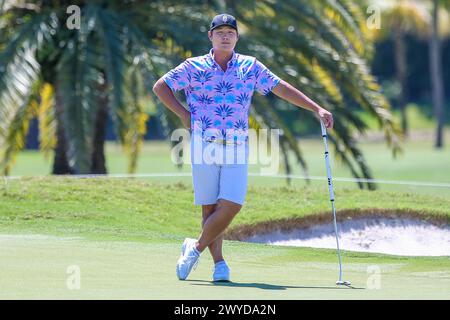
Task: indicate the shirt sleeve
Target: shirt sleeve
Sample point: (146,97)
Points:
(265,79)
(178,78)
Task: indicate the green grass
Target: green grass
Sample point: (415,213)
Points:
(125,236)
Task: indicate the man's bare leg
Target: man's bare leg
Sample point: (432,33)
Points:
(215,247)
(217,222)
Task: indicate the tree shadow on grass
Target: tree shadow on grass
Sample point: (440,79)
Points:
(264,286)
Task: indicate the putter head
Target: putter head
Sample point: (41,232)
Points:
(343,283)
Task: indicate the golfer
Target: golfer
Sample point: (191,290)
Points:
(218,87)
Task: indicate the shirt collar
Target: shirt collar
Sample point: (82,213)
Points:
(231,63)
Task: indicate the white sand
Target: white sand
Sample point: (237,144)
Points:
(404,237)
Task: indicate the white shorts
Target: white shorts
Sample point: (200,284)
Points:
(216,176)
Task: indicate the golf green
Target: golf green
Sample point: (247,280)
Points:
(48,267)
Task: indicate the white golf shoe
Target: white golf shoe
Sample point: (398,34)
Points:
(188,259)
(221,272)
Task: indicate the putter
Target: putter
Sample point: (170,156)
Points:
(340,282)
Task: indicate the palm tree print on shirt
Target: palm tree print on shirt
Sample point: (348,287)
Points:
(224,111)
(266,91)
(264,81)
(224,87)
(242,99)
(247,76)
(202,76)
(205,122)
(272,77)
(204,100)
(257,74)
(240,125)
(173,75)
(192,109)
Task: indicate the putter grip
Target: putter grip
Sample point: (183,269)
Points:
(327,161)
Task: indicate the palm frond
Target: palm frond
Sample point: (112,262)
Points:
(135,117)
(17,131)
(18,74)
(47,120)
(78,79)
(112,39)
(285,150)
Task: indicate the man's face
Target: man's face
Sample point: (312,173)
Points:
(223,38)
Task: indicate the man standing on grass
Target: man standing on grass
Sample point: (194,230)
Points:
(218,88)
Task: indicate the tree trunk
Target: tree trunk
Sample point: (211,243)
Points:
(400,61)
(98,165)
(60,162)
(436,76)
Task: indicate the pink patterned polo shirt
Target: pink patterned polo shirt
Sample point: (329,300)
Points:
(219,101)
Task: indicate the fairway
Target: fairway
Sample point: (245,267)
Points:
(36,267)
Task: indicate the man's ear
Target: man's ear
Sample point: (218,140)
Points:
(210,35)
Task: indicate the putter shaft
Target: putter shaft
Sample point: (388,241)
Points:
(330,188)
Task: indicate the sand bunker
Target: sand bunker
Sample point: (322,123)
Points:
(400,236)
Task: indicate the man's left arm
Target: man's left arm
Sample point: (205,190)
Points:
(289,93)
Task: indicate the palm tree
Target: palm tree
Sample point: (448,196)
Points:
(122,47)
(92,71)
(436,70)
(399,18)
